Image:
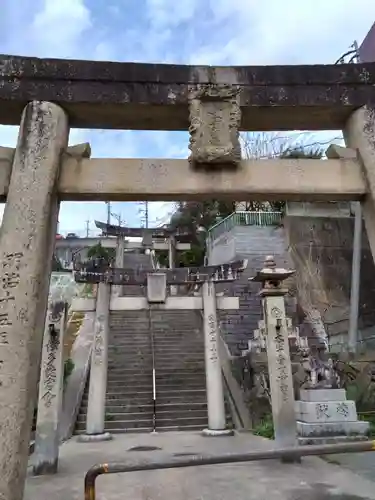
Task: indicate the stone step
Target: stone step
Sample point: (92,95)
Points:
(144,379)
(180,353)
(144,350)
(181,370)
(123,416)
(121,424)
(185,365)
(179,379)
(128,424)
(127,372)
(190,427)
(182,381)
(171,400)
(140,367)
(130,407)
(179,393)
(118,399)
(183,408)
(125,390)
(124,406)
(180,423)
(188,367)
(139,430)
(135,376)
(130,353)
(165,345)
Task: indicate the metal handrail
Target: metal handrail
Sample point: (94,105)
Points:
(244,218)
(285,454)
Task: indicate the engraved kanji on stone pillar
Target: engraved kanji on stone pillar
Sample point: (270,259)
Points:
(215,117)
(279,365)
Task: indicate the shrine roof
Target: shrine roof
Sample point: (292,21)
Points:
(140,96)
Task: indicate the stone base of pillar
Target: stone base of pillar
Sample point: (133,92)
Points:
(217,433)
(45,467)
(92,438)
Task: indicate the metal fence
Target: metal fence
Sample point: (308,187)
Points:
(261,218)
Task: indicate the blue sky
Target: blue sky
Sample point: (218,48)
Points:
(222,32)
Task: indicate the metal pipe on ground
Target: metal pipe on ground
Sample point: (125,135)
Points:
(194,461)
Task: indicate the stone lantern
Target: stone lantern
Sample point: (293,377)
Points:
(278,355)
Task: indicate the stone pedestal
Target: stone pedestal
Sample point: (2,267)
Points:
(50,391)
(26,253)
(325,416)
(98,370)
(214,381)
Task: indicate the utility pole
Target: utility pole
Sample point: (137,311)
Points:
(118,218)
(144,214)
(357,240)
(87,228)
(108,203)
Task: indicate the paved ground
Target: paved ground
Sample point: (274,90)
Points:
(360,463)
(314,479)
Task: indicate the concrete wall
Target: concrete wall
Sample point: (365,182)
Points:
(321,250)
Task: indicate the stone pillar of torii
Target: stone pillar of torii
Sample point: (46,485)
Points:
(156,282)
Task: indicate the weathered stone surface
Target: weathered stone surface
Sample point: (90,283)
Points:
(156,287)
(214,382)
(136,95)
(79,150)
(332,429)
(280,371)
(215,118)
(28,226)
(99,363)
(80,356)
(314,479)
(359,133)
(326,411)
(50,391)
(334,152)
(318,395)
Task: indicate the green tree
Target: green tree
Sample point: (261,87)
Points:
(100,252)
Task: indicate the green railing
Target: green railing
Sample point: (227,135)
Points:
(244,219)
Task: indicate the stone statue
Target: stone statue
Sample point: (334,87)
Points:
(321,373)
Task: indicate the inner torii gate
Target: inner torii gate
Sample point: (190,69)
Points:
(170,240)
(156,298)
(47,97)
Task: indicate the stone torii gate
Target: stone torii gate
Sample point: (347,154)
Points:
(47,97)
(175,240)
(156,298)
(168,240)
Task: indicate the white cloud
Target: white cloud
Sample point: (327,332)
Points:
(57,29)
(185,31)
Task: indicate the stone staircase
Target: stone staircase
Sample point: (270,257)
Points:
(179,370)
(174,339)
(253,243)
(129,398)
